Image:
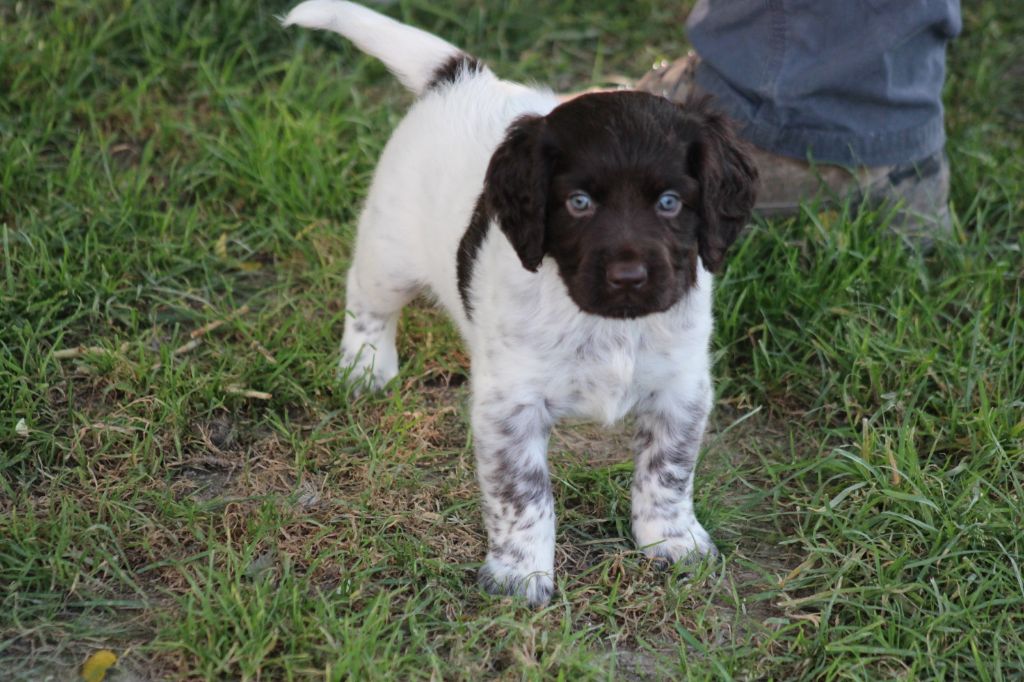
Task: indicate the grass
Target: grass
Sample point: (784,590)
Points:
(165,166)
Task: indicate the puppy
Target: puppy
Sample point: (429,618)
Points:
(573,245)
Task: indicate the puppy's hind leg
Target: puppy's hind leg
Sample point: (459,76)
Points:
(377,289)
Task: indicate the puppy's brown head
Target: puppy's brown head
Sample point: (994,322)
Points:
(623,190)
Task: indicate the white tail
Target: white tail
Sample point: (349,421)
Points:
(413,55)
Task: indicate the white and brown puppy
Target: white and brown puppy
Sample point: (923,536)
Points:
(572,243)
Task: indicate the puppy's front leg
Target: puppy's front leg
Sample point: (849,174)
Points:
(670,428)
(511,439)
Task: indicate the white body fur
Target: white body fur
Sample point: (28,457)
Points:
(536,357)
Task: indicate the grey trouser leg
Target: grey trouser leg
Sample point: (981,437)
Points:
(852,82)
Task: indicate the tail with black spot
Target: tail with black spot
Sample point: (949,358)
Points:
(421,61)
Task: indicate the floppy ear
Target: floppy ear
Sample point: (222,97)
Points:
(727,180)
(515,189)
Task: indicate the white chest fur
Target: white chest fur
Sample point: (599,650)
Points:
(529,337)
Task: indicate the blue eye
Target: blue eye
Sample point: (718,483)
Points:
(579,203)
(669,204)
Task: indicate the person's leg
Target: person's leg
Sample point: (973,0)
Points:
(854,86)
(852,82)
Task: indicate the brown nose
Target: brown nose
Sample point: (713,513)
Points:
(626,275)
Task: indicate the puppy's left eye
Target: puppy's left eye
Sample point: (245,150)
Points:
(669,204)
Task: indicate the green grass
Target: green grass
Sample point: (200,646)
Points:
(168,165)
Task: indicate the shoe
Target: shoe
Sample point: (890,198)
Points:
(918,190)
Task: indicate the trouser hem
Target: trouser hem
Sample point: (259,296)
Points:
(836,147)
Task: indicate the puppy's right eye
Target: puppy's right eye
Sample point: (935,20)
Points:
(579,204)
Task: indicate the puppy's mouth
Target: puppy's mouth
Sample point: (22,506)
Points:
(617,302)
(625,312)
(626,309)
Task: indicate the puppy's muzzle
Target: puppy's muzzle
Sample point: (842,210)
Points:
(631,282)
